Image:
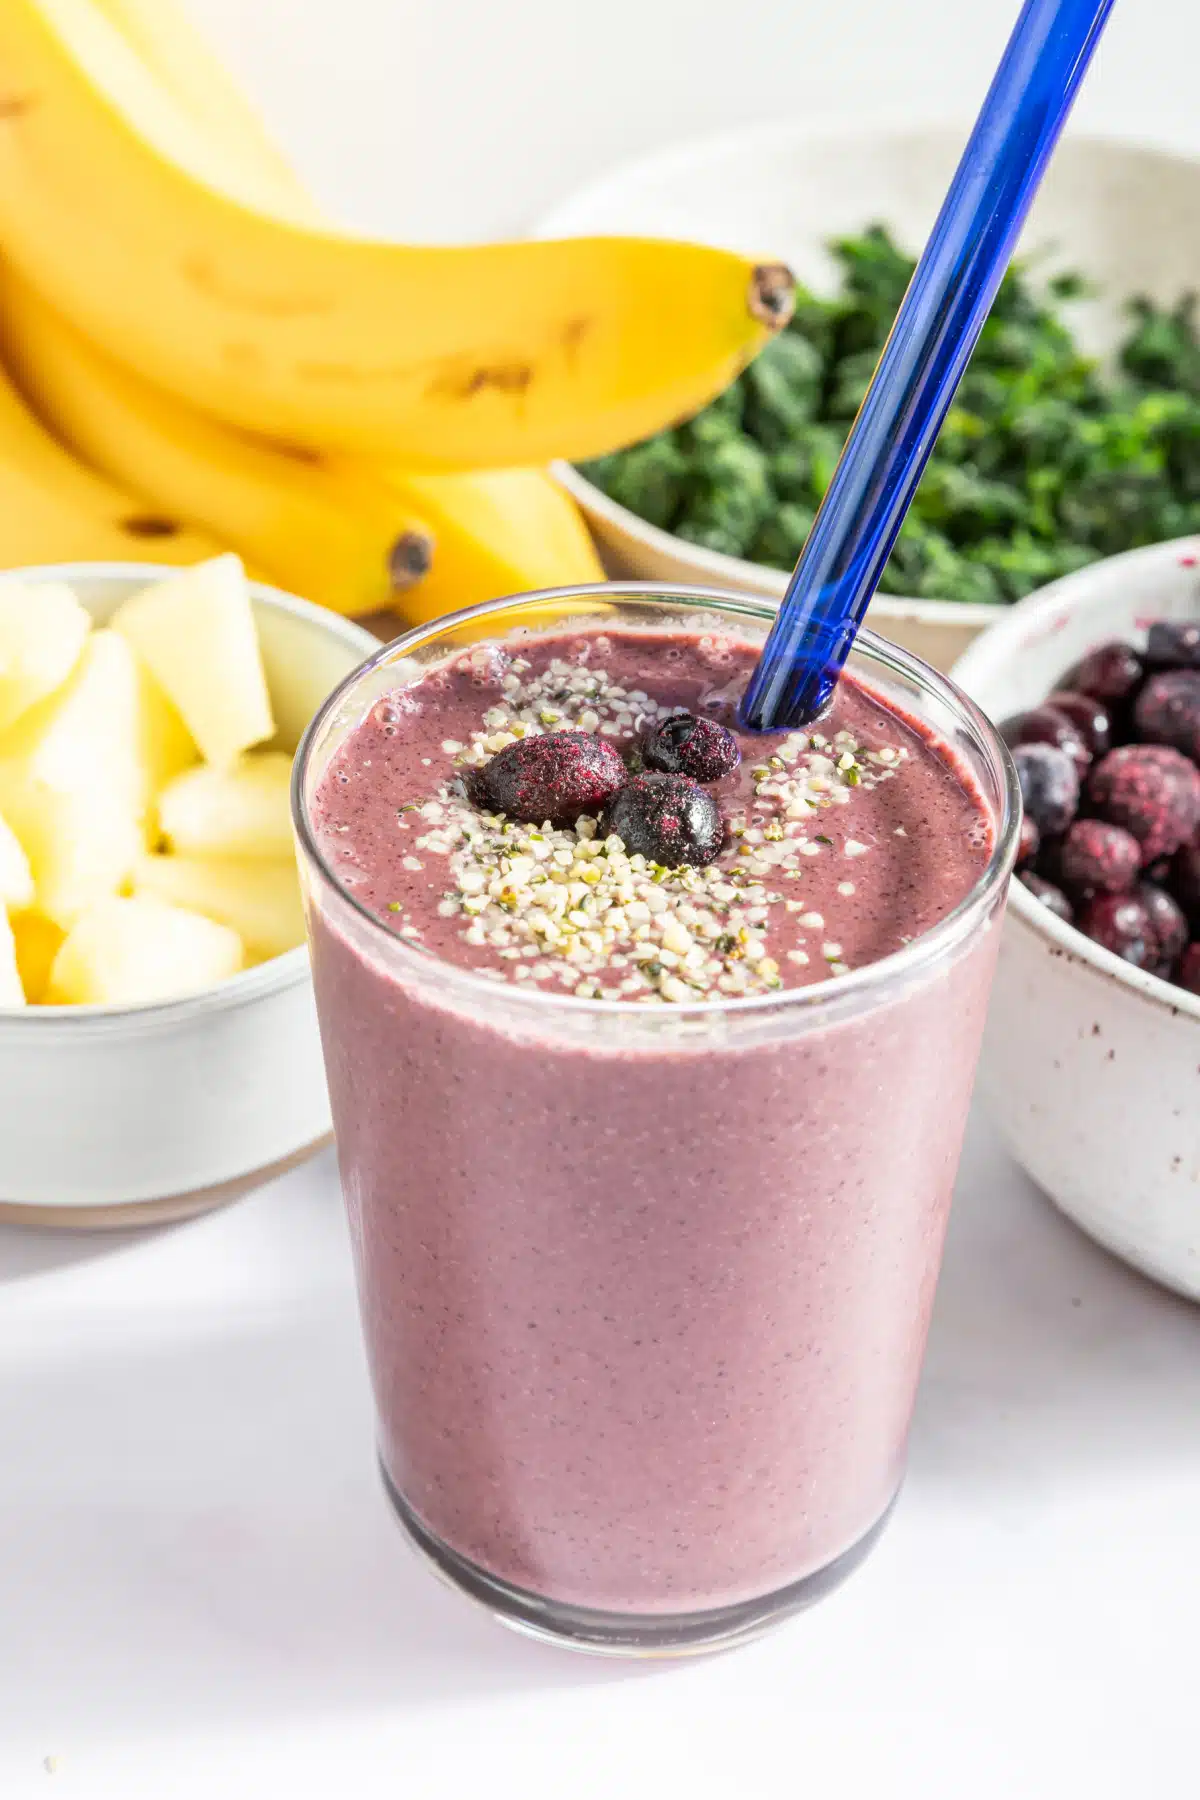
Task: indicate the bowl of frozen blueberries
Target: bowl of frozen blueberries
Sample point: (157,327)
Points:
(1091,1064)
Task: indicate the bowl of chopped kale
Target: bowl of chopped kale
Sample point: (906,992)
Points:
(1075,434)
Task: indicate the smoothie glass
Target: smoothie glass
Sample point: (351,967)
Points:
(645,1290)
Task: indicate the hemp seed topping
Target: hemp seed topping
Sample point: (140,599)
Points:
(561,904)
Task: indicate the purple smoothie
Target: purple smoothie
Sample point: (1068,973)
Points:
(645,1300)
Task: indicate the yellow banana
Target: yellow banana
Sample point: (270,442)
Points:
(52,509)
(180,59)
(498,532)
(349,542)
(352,536)
(144,233)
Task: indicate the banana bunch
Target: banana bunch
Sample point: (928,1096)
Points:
(357,418)
(52,509)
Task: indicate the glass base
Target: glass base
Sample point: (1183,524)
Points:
(626,1634)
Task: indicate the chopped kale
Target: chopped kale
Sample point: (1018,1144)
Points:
(1044,463)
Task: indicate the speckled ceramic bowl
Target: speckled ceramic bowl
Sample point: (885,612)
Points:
(1091,1067)
(1123,214)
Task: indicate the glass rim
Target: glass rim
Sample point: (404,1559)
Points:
(817,996)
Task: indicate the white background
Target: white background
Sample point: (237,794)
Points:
(459,118)
(202,1596)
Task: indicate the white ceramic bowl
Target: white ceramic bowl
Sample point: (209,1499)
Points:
(1091,1067)
(1125,216)
(118,1115)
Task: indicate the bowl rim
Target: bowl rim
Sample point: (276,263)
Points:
(278,972)
(993,650)
(712,567)
(834,127)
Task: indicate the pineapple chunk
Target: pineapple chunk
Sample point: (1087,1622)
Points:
(258,900)
(72,785)
(81,847)
(126,952)
(12,993)
(165,745)
(195,631)
(37,942)
(16,877)
(42,631)
(240,812)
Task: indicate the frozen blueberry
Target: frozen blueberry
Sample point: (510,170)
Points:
(1099,858)
(1152,791)
(1049,895)
(669,819)
(1049,785)
(1121,923)
(685,745)
(1189,969)
(1167,711)
(1173,644)
(1030,839)
(1047,725)
(1091,718)
(1170,926)
(1049,860)
(553,778)
(1110,672)
(1183,879)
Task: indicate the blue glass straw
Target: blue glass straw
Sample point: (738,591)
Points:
(923,361)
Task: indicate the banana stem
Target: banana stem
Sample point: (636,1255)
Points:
(410,557)
(772,294)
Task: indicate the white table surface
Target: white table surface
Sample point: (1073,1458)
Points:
(202,1593)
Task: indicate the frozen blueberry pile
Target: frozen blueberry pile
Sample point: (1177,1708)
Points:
(1109,766)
